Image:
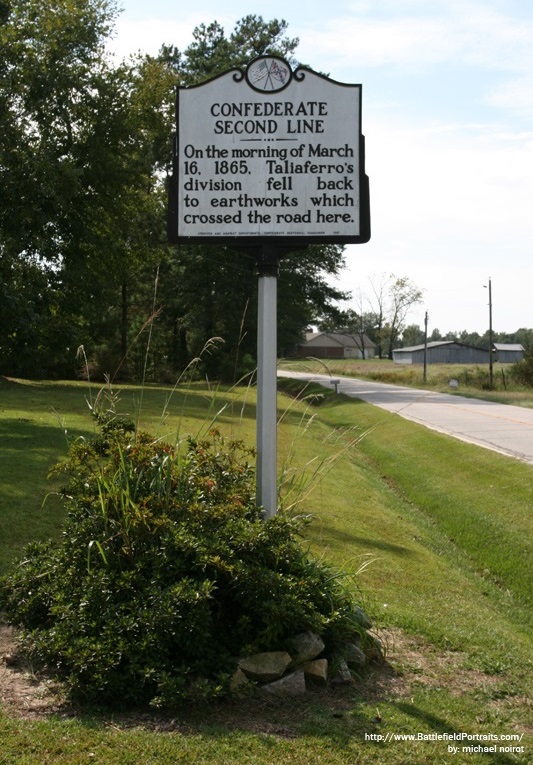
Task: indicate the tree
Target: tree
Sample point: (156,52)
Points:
(52,86)
(377,302)
(524,336)
(412,335)
(211,52)
(80,152)
(403,295)
(367,322)
(80,257)
(51,78)
(391,299)
(358,322)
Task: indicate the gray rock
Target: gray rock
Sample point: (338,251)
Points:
(265,666)
(316,671)
(354,656)
(362,618)
(374,648)
(305,647)
(342,676)
(290,685)
(239,682)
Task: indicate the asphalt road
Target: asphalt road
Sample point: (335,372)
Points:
(502,428)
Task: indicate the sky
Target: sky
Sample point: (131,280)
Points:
(447,115)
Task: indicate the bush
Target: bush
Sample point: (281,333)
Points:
(522,371)
(165,572)
(479,378)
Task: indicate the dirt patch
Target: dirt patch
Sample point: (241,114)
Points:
(419,663)
(410,662)
(22,692)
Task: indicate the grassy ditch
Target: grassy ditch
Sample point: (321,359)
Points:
(437,529)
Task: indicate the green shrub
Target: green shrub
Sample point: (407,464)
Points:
(165,572)
(522,371)
(478,377)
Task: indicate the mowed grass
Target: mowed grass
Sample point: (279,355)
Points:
(440,529)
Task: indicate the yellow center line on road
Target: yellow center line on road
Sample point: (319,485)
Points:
(493,416)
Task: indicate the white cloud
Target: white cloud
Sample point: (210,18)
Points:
(148,35)
(453,184)
(515,94)
(376,42)
(458,33)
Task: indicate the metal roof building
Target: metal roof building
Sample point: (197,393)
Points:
(507,353)
(441,352)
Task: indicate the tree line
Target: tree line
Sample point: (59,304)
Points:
(381,313)
(86,151)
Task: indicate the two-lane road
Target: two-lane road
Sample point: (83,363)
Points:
(503,428)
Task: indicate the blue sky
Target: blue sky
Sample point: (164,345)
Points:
(448,120)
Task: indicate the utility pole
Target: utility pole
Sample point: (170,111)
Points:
(425,346)
(491,365)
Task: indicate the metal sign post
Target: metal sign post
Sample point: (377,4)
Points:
(267,271)
(269,160)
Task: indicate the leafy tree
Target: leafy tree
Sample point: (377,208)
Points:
(80,133)
(524,336)
(412,335)
(343,321)
(403,295)
(52,75)
(390,299)
(212,52)
(522,371)
(351,322)
(51,80)
(80,257)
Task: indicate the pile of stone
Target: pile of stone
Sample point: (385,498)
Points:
(288,673)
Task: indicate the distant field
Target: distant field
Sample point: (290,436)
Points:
(439,531)
(472,379)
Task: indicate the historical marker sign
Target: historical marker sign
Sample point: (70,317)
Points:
(269,160)
(269,154)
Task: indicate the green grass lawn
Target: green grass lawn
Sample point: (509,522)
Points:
(439,531)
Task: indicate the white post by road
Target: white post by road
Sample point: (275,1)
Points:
(267,384)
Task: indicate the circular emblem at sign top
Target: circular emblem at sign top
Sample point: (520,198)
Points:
(268,74)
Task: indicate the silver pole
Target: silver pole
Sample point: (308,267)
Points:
(491,365)
(267,383)
(426,347)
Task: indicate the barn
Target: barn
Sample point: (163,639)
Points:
(508,353)
(335,345)
(441,352)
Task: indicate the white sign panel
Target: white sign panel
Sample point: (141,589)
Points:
(269,153)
